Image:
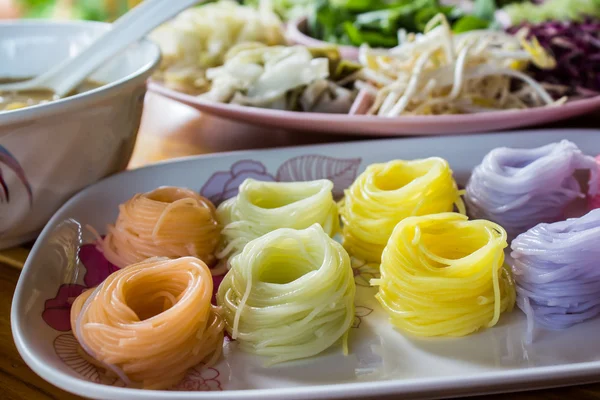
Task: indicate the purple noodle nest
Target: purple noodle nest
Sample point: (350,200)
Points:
(520,188)
(556,268)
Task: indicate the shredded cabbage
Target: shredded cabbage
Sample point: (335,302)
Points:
(200,37)
(279,77)
(439,72)
(552,10)
(576,47)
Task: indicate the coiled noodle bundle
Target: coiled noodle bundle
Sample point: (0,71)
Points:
(557,272)
(289,294)
(443,275)
(150,322)
(166,222)
(261,207)
(387,193)
(519,188)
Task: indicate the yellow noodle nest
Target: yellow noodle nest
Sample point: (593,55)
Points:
(385,194)
(444,275)
(150,322)
(166,222)
(261,207)
(289,294)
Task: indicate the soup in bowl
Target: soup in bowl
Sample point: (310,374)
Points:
(12,100)
(51,148)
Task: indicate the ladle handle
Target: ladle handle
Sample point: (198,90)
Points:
(127,30)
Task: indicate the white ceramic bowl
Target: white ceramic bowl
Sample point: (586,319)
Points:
(49,152)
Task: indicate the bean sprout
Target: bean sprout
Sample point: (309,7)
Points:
(438,72)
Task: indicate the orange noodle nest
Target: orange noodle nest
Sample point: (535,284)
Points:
(150,322)
(166,222)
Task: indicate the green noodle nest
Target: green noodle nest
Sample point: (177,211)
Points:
(289,294)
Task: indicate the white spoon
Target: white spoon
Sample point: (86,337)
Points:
(128,29)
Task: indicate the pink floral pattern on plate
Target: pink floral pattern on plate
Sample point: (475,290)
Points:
(223,185)
(57,311)
(364,272)
(593,202)
(359,313)
(97,267)
(67,349)
(341,172)
(200,379)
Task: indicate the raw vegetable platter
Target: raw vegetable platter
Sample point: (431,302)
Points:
(447,70)
(381,359)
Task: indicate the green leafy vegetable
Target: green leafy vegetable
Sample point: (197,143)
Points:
(286,9)
(484,9)
(469,23)
(377,22)
(37,8)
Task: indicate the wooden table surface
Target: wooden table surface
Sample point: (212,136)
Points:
(172,130)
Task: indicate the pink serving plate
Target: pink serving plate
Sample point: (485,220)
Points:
(379,126)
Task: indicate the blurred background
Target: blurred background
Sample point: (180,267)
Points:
(94,10)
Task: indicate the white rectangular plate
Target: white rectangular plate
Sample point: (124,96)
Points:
(381,361)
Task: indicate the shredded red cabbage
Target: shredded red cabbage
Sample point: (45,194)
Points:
(576,47)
